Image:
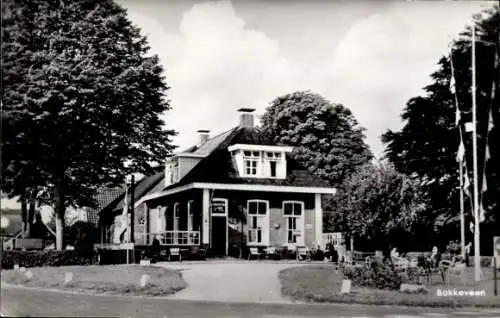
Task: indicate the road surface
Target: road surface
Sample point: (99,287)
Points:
(24,302)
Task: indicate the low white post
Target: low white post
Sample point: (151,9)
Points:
(144,280)
(68,278)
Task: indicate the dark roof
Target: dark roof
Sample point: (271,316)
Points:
(11,222)
(142,187)
(218,167)
(210,145)
(104,197)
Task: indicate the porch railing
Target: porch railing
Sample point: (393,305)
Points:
(335,238)
(173,238)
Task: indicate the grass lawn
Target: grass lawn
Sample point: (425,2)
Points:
(120,279)
(321,283)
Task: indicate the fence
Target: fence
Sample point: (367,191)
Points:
(335,238)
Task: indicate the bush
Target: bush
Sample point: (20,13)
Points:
(46,258)
(378,276)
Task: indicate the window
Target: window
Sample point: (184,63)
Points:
(176,216)
(272,167)
(142,220)
(175,171)
(258,222)
(251,161)
(273,159)
(293,213)
(172,171)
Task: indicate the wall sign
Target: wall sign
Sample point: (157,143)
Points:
(218,207)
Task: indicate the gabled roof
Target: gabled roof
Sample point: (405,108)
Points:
(141,188)
(218,166)
(210,145)
(112,198)
(104,197)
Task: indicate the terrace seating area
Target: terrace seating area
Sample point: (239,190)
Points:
(420,266)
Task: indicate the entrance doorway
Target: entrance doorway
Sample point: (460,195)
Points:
(219,239)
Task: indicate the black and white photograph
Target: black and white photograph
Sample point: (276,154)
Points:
(250,158)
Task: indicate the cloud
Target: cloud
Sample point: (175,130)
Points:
(216,65)
(387,58)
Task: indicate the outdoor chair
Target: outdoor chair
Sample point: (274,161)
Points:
(271,252)
(401,265)
(197,252)
(254,252)
(289,251)
(368,261)
(175,252)
(303,254)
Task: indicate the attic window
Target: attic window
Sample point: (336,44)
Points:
(260,161)
(251,162)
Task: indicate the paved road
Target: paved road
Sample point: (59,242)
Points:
(35,303)
(231,281)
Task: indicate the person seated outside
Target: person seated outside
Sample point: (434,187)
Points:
(467,253)
(335,255)
(328,251)
(422,261)
(394,254)
(155,250)
(435,257)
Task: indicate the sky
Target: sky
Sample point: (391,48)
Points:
(372,57)
(219,56)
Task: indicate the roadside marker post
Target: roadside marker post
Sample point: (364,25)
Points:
(346,287)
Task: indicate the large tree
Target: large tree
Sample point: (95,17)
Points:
(378,205)
(82,99)
(326,137)
(426,147)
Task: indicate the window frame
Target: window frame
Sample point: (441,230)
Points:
(265,231)
(253,159)
(294,216)
(177,216)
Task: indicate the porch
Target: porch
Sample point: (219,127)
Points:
(172,238)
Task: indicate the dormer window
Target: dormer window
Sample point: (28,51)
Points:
(273,160)
(172,171)
(258,161)
(251,161)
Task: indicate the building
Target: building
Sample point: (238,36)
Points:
(236,189)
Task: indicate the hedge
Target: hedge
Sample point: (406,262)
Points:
(46,258)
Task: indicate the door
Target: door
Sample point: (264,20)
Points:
(219,240)
(219,235)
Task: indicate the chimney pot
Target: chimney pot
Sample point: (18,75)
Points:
(204,135)
(246,117)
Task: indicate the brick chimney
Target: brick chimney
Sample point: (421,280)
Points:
(204,135)
(246,117)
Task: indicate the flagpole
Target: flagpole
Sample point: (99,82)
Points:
(462,218)
(477,270)
(460,156)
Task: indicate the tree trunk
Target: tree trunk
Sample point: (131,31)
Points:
(59,212)
(31,216)
(24,215)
